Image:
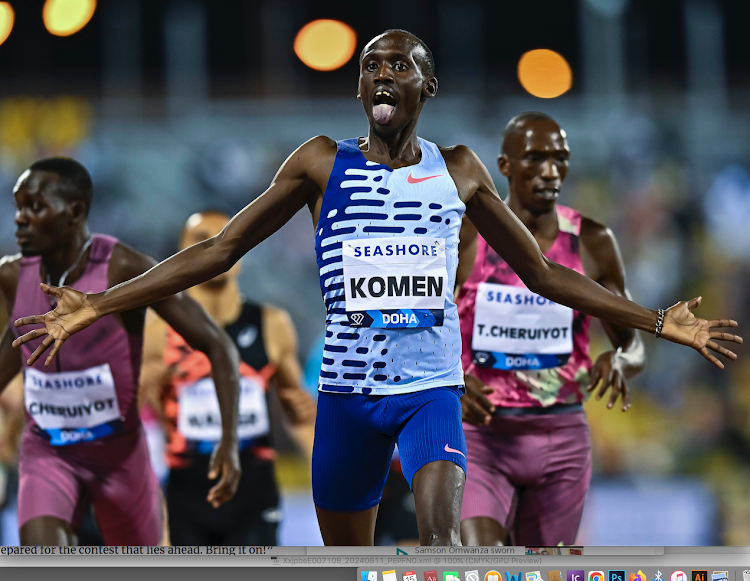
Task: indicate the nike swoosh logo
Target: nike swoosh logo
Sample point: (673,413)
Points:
(449,449)
(413,180)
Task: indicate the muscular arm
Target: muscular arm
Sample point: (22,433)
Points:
(191,322)
(301,180)
(299,408)
(603,263)
(507,235)
(294,186)
(513,242)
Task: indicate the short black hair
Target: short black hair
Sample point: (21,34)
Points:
(427,61)
(74,183)
(512,126)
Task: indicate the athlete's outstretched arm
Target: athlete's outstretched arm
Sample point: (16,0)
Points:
(514,243)
(299,407)
(603,263)
(294,185)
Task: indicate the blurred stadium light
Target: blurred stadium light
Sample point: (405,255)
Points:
(66,17)
(325,45)
(544,73)
(7,18)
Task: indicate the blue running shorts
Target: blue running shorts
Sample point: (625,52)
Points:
(355,435)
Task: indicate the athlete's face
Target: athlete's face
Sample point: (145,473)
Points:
(535,160)
(44,220)
(200,227)
(392,86)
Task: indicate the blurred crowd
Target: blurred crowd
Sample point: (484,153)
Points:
(682,229)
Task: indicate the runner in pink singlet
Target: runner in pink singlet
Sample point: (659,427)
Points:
(526,358)
(84,440)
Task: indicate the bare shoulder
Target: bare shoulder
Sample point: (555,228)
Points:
(316,150)
(319,144)
(467,170)
(312,161)
(127,263)
(459,157)
(595,236)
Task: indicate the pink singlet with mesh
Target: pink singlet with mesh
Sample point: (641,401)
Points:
(84,439)
(529,470)
(508,330)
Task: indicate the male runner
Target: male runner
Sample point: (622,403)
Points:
(267,343)
(387,210)
(84,439)
(527,438)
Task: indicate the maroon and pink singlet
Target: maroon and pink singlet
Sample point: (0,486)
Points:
(530,468)
(83,438)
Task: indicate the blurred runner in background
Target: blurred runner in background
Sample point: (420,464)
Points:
(176,381)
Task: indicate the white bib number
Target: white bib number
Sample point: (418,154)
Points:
(395,273)
(73,406)
(395,282)
(517,329)
(199,417)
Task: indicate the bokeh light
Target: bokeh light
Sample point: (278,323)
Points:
(66,17)
(325,45)
(7,18)
(544,73)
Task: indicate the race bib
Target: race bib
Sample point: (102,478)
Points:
(398,282)
(199,416)
(517,329)
(73,406)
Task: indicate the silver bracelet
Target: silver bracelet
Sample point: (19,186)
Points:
(659,323)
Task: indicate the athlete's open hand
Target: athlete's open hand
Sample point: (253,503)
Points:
(681,326)
(608,370)
(225,461)
(73,313)
(475,407)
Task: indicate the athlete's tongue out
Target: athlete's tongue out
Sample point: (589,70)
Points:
(383,105)
(382,113)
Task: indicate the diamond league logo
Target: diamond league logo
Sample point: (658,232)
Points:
(247,336)
(357,318)
(481,356)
